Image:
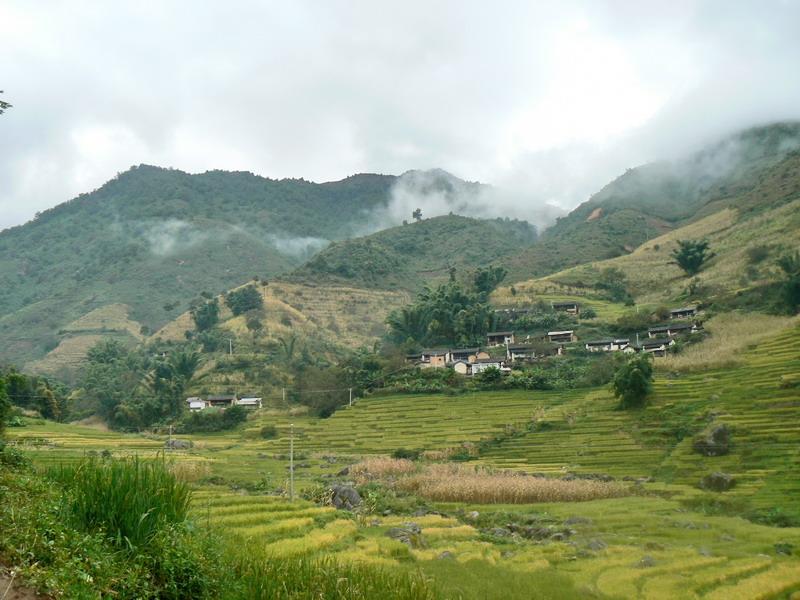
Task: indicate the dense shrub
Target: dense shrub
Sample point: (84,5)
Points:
(633,381)
(406,453)
(243,300)
(269,432)
(210,420)
(206,315)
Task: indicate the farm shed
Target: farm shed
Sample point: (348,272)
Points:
(499,338)
(572,308)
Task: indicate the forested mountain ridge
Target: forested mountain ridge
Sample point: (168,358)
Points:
(652,199)
(152,239)
(418,253)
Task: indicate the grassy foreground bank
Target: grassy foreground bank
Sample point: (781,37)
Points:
(120,528)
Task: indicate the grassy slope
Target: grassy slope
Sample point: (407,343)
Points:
(325,319)
(413,255)
(755,168)
(731,234)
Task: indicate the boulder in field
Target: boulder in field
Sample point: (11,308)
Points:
(715,441)
(178,444)
(345,497)
(717,482)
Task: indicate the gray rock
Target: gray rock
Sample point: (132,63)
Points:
(178,444)
(646,562)
(345,497)
(726,537)
(445,555)
(784,548)
(578,521)
(704,552)
(410,534)
(596,545)
(344,472)
(499,532)
(558,537)
(412,527)
(473,515)
(713,442)
(717,482)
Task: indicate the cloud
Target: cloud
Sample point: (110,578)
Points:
(297,247)
(545,101)
(436,192)
(175,235)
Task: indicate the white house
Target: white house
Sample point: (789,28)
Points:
(520,352)
(682,313)
(482,364)
(561,336)
(196,403)
(672,330)
(462,367)
(499,338)
(656,347)
(251,403)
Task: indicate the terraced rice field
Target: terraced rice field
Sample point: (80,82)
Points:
(650,545)
(633,547)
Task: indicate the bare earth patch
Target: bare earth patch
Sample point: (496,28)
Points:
(10,590)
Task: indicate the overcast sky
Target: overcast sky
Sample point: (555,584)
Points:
(548,99)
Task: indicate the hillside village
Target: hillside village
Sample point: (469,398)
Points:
(655,341)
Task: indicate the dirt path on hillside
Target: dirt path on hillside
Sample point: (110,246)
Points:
(9,590)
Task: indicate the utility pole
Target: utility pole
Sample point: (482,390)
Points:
(230,346)
(284,394)
(169,444)
(351,397)
(291,462)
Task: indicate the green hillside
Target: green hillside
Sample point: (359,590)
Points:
(409,256)
(153,239)
(754,168)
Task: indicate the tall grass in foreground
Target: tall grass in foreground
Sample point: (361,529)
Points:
(131,500)
(303,579)
(463,483)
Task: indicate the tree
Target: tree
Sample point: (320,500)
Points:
(5,405)
(790,265)
(614,282)
(633,381)
(417,214)
(244,299)
(3,105)
(206,315)
(691,255)
(490,376)
(487,279)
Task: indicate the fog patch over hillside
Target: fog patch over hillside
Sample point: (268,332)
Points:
(176,235)
(297,247)
(436,192)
